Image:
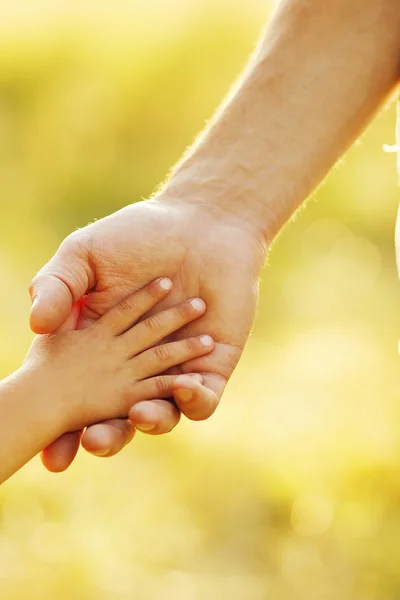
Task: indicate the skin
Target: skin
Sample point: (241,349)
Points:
(274,138)
(73,378)
(192,273)
(397,234)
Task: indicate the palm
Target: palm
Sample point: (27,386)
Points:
(202,257)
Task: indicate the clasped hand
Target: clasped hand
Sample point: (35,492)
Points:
(204,255)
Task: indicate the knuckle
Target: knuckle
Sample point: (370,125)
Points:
(162,385)
(127,306)
(72,238)
(181,312)
(162,353)
(192,345)
(75,241)
(152,291)
(152,323)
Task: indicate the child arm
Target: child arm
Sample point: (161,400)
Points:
(72,379)
(24,407)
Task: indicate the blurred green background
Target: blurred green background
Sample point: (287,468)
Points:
(292,490)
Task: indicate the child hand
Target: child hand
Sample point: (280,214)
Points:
(100,372)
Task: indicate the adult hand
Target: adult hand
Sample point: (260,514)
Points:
(261,155)
(206,254)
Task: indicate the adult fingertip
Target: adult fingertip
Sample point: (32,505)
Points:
(186,381)
(106,439)
(51,304)
(45,318)
(100,452)
(57,457)
(184,388)
(196,401)
(37,320)
(195,377)
(154,416)
(100,440)
(54,465)
(145,427)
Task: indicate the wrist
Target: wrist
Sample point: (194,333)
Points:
(287,121)
(24,406)
(205,184)
(234,169)
(44,403)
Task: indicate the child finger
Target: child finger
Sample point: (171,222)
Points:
(161,386)
(157,327)
(125,314)
(71,321)
(160,358)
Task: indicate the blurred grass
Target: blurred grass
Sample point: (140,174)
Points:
(292,489)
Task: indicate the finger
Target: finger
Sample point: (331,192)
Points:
(154,416)
(162,386)
(60,284)
(216,369)
(125,314)
(155,328)
(59,455)
(72,319)
(108,438)
(216,383)
(159,359)
(196,401)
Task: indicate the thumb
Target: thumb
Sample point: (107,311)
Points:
(59,285)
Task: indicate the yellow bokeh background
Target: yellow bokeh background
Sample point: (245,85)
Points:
(292,490)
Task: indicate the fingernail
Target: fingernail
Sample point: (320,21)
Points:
(145,427)
(164,283)
(183,395)
(196,377)
(100,452)
(206,340)
(197,304)
(35,302)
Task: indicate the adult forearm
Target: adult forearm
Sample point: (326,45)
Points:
(321,71)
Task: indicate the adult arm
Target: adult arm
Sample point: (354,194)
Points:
(318,76)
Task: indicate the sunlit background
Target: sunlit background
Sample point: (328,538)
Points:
(292,490)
